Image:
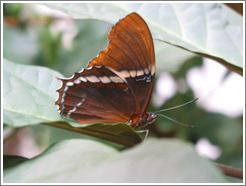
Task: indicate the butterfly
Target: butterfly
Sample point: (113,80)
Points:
(117,85)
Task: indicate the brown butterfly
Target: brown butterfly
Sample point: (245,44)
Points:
(117,85)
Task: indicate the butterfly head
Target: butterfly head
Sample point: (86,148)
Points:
(141,122)
(150,117)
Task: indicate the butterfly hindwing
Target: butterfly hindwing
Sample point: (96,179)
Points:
(96,95)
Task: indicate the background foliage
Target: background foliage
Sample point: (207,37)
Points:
(57,45)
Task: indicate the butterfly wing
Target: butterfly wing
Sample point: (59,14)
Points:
(130,54)
(96,95)
(117,84)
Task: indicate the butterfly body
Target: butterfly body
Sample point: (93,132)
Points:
(141,122)
(117,85)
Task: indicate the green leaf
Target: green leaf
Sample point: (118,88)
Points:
(48,135)
(120,133)
(29,94)
(200,28)
(86,161)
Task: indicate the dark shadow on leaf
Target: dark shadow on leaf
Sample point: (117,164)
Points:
(120,133)
(10,161)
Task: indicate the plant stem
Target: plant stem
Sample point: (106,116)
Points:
(230,171)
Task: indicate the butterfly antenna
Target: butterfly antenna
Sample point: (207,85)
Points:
(175,121)
(178,106)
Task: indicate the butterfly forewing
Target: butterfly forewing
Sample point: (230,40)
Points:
(131,54)
(117,85)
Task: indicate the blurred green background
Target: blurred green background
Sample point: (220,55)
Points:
(33,35)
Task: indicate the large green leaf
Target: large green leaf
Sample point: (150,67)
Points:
(29,98)
(200,28)
(29,94)
(86,161)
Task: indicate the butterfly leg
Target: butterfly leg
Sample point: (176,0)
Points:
(146,133)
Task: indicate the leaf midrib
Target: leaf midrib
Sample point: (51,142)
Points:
(26,113)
